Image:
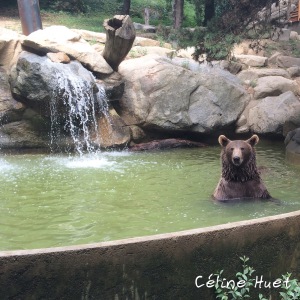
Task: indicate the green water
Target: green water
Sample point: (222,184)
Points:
(57,200)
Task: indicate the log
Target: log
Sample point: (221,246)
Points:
(120,35)
(166,144)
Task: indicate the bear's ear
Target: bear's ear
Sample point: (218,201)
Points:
(223,140)
(253,140)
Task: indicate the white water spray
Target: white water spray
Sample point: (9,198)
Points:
(81,105)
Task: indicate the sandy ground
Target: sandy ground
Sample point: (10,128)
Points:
(10,19)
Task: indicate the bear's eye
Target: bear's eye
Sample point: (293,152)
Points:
(242,149)
(231,149)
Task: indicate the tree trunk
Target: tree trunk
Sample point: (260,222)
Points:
(126,7)
(288,9)
(177,13)
(147,16)
(120,35)
(209,11)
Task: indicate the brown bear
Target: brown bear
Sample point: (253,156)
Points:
(240,176)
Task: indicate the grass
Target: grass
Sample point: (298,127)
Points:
(289,48)
(90,21)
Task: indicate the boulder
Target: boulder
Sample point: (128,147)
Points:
(10,109)
(112,131)
(231,66)
(113,85)
(245,47)
(161,95)
(92,36)
(138,51)
(292,142)
(294,71)
(273,86)
(294,35)
(37,81)
(287,61)
(186,53)
(144,42)
(59,57)
(10,47)
(252,60)
(272,114)
(137,134)
(281,34)
(22,134)
(62,39)
(253,74)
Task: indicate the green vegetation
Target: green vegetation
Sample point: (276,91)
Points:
(88,21)
(243,285)
(227,22)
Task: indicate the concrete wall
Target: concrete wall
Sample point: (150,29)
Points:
(157,267)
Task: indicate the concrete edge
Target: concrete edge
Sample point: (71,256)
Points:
(157,237)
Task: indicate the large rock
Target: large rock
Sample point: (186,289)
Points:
(144,42)
(138,51)
(287,61)
(253,74)
(92,36)
(62,39)
(272,114)
(68,97)
(165,96)
(22,134)
(37,81)
(292,142)
(10,109)
(273,86)
(252,60)
(10,47)
(112,131)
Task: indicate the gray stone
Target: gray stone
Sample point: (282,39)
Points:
(10,109)
(294,71)
(281,34)
(137,134)
(292,142)
(37,80)
(10,47)
(23,134)
(168,97)
(273,86)
(294,35)
(252,60)
(271,114)
(231,66)
(98,37)
(253,74)
(287,61)
(62,39)
(273,59)
(112,131)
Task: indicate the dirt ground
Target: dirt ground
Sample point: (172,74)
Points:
(9,18)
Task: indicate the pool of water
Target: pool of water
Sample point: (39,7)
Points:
(59,200)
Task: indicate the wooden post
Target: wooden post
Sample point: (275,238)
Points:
(120,35)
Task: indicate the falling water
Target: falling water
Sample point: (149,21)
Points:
(81,104)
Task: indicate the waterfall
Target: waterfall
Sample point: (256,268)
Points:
(74,106)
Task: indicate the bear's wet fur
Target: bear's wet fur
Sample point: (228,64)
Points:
(240,177)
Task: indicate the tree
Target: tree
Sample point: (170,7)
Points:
(230,21)
(209,11)
(126,7)
(177,13)
(72,6)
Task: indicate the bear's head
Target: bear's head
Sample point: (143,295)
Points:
(238,152)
